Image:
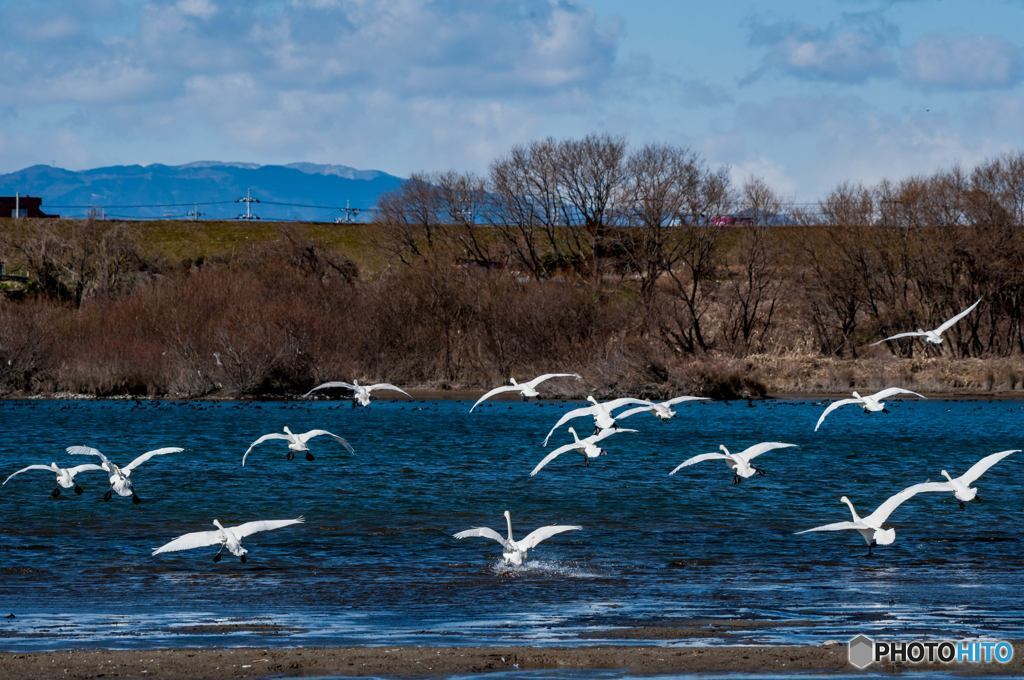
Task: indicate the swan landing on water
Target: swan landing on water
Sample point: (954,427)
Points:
(514,552)
(65,476)
(360,393)
(226,537)
(120,477)
(297,443)
(871,403)
(738,462)
(870,528)
(961,486)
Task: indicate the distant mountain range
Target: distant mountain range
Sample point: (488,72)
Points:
(297,191)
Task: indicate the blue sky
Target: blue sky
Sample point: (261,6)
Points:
(804,94)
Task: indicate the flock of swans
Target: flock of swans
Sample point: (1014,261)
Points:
(606,417)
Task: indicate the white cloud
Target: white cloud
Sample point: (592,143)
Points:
(962,62)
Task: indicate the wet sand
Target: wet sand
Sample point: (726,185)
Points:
(215,664)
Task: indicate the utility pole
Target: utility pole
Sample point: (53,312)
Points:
(248,199)
(17,205)
(348,214)
(194,213)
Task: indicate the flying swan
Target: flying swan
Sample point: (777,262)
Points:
(296,442)
(961,486)
(588,447)
(226,537)
(601,412)
(527,389)
(120,477)
(514,552)
(360,393)
(932,336)
(870,527)
(738,462)
(662,410)
(870,403)
(65,476)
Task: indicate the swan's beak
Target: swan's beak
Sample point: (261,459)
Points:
(844,499)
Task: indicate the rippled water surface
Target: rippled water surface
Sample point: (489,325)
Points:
(375,562)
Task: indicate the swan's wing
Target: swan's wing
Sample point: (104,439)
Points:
(764,447)
(496,390)
(909,334)
(881,514)
(305,437)
(30,467)
(837,526)
(86,451)
(331,385)
(893,391)
(533,538)
(633,411)
(604,434)
(699,459)
(83,468)
(548,376)
(250,528)
(982,466)
(481,532)
(387,386)
(679,400)
(554,454)
(832,407)
(575,413)
(198,539)
(264,438)
(949,324)
(625,401)
(150,454)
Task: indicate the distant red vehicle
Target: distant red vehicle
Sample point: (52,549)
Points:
(729,220)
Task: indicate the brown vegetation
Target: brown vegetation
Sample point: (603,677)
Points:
(569,255)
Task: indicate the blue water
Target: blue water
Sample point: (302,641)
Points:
(375,562)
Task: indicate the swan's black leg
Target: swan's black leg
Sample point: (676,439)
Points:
(977,497)
(962,505)
(736,479)
(108,494)
(290,455)
(885,410)
(216,558)
(761,472)
(55,493)
(135,498)
(309,456)
(586,460)
(78,490)
(242,558)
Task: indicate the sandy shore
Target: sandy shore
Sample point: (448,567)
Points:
(214,664)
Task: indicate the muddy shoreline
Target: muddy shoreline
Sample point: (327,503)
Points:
(220,664)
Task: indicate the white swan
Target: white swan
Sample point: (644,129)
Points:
(65,476)
(227,537)
(961,486)
(588,447)
(527,389)
(739,463)
(514,552)
(662,410)
(933,336)
(870,528)
(296,442)
(870,403)
(360,393)
(120,477)
(601,412)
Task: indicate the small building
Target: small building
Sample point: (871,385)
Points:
(26,206)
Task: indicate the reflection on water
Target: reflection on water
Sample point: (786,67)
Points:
(376,560)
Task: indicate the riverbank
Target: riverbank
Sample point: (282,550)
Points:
(221,664)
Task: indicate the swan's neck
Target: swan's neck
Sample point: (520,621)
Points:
(508,522)
(856,517)
(856,395)
(946,475)
(512,381)
(574,437)
(286,430)
(217,524)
